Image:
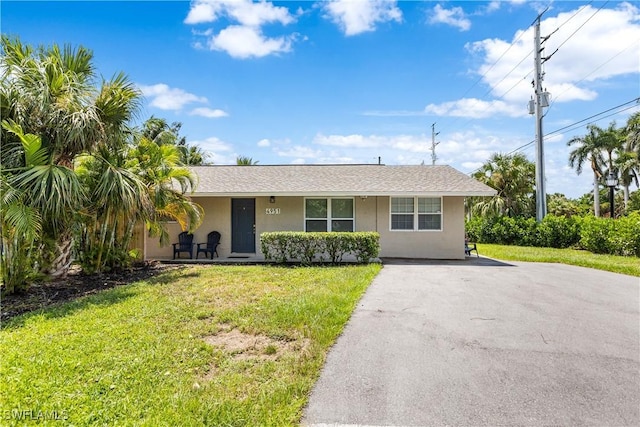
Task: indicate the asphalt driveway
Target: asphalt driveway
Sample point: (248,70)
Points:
(479,342)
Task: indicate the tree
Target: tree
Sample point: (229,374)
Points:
(20,223)
(559,205)
(513,177)
(166,182)
(245,161)
(158,130)
(628,156)
(589,149)
(52,93)
(117,202)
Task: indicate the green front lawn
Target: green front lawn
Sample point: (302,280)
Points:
(206,345)
(613,263)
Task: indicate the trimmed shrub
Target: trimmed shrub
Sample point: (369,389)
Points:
(598,235)
(283,246)
(558,232)
(606,236)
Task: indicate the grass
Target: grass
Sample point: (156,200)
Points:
(150,353)
(613,263)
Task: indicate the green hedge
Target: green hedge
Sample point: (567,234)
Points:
(599,235)
(617,237)
(283,246)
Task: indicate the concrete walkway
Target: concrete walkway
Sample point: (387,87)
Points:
(479,342)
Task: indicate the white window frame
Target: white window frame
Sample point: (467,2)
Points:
(416,214)
(329,218)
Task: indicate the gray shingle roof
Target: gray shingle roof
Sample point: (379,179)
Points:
(328,180)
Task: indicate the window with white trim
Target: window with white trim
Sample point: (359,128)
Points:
(328,214)
(416,213)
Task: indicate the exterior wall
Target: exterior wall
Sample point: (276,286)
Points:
(287,214)
(445,244)
(217,217)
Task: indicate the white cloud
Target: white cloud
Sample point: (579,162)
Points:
(355,17)
(349,141)
(299,152)
(264,143)
(492,6)
(245,12)
(601,49)
(476,108)
(393,113)
(246,42)
(203,12)
(454,17)
(213,144)
(411,143)
(208,112)
(247,39)
(249,13)
(166,98)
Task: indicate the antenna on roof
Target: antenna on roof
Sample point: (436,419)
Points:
(434,143)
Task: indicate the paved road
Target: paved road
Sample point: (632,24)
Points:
(479,342)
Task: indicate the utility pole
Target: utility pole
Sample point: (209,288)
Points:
(540,99)
(433,144)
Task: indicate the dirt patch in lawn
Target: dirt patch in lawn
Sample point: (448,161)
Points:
(75,285)
(246,346)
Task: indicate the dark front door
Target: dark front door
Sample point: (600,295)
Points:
(243,225)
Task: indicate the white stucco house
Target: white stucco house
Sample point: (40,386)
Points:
(418,210)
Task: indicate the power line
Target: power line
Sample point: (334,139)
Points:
(576,124)
(583,24)
(593,71)
(492,102)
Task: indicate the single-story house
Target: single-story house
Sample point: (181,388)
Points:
(418,210)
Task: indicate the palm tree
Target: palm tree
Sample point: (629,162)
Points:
(628,156)
(158,130)
(52,93)
(44,193)
(589,148)
(160,169)
(512,176)
(632,131)
(245,161)
(118,201)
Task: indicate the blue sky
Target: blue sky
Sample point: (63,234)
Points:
(349,81)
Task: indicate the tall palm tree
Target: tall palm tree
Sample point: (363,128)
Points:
(512,176)
(632,131)
(52,93)
(589,149)
(628,156)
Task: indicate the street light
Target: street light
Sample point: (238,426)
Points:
(612,182)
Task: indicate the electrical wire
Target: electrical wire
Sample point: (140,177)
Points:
(492,102)
(577,124)
(555,98)
(583,24)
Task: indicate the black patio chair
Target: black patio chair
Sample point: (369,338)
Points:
(470,247)
(211,247)
(185,244)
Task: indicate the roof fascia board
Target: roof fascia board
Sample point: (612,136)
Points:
(350,194)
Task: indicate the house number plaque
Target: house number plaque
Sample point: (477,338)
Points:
(272,211)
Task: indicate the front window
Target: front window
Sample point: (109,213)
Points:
(416,213)
(402,213)
(329,214)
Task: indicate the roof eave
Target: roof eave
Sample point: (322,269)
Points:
(346,194)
